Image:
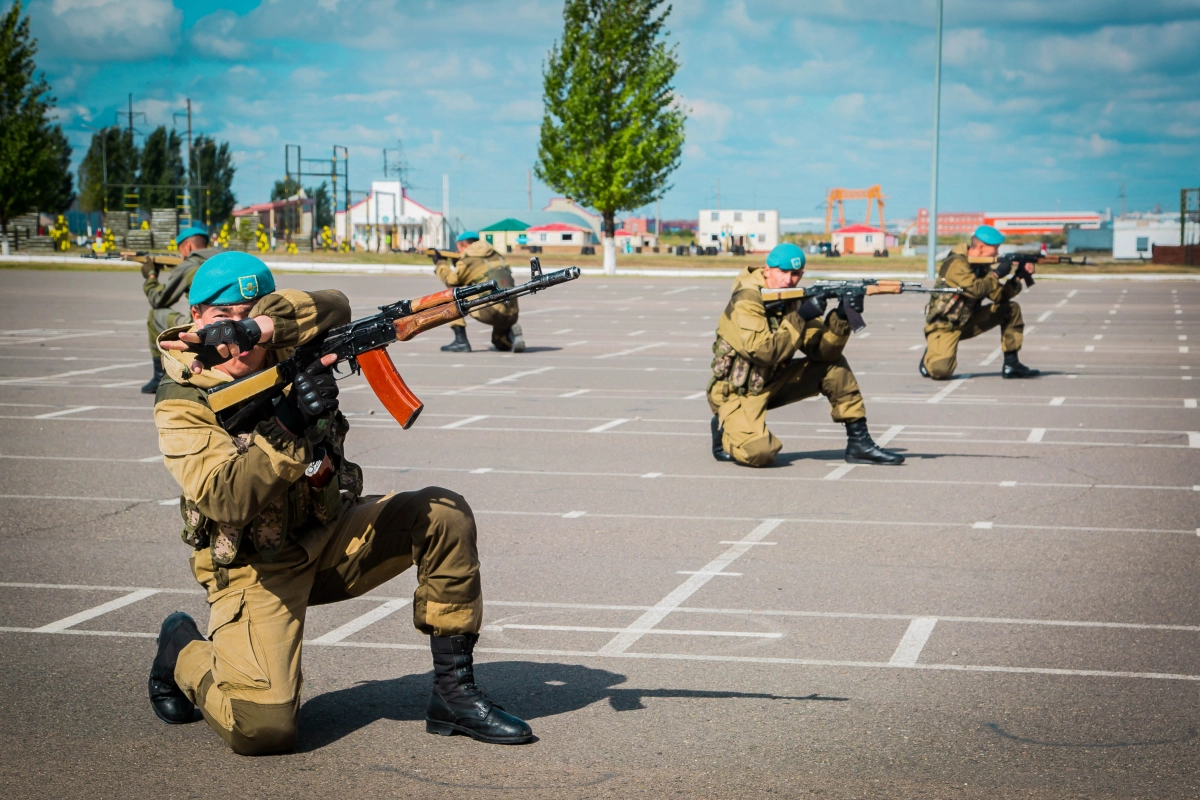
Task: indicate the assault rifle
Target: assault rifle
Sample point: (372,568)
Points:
(439,255)
(363,342)
(849,293)
(157,259)
(1015,261)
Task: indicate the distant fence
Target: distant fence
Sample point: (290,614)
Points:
(1186,255)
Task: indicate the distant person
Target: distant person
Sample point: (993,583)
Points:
(950,318)
(754,369)
(480,262)
(192,244)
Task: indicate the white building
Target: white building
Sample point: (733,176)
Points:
(1136,237)
(756,231)
(862,239)
(389,211)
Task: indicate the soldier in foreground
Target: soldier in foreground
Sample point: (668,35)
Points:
(480,262)
(950,318)
(753,368)
(273,513)
(163,295)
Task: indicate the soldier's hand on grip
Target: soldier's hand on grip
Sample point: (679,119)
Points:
(812,308)
(224,340)
(314,395)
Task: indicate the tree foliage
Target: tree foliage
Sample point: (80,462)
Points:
(612,131)
(161,169)
(322,205)
(212,167)
(34,154)
(288,187)
(112,152)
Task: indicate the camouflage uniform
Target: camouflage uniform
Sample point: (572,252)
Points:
(163,295)
(753,369)
(950,318)
(481,262)
(266,545)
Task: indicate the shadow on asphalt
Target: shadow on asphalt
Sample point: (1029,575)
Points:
(530,690)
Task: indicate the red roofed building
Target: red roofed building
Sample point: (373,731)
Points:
(560,237)
(862,239)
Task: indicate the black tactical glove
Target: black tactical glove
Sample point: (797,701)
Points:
(314,395)
(244,333)
(1003,268)
(812,308)
(149,269)
(856,302)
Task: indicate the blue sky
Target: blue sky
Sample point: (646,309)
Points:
(1046,103)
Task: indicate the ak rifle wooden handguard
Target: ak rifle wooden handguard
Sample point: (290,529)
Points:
(408,327)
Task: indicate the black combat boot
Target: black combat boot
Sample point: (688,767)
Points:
(924,372)
(457,705)
(861,448)
(460,343)
(502,341)
(1013,368)
(168,701)
(718,449)
(152,386)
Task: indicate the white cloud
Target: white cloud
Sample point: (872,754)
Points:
(848,105)
(216,35)
(707,119)
(1099,146)
(968,46)
(106,30)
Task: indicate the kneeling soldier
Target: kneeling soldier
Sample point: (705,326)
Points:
(753,368)
(950,318)
(274,514)
(480,262)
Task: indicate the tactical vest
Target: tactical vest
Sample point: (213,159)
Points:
(746,377)
(951,309)
(301,506)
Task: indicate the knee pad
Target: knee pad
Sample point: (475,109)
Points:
(260,730)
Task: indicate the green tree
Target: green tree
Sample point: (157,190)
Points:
(612,130)
(322,205)
(34,154)
(114,156)
(288,187)
(161,169)
(212,168)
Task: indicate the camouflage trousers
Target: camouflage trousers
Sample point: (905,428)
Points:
(744,417)
(501,317)
(941,341)
(246,679)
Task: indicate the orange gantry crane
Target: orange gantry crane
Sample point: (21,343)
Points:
(872,195)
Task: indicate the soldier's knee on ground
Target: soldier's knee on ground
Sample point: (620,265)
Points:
(941,368)
(261,730)
(758,452)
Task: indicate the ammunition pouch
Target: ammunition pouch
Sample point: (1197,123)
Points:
(746,377)
(502,275)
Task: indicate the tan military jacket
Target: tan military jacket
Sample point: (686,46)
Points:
(178,280)
(956,272)
(479,263)
(231,478)
(744,325)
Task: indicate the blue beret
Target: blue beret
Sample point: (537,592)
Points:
(989,235)
(467,236)
(786,256)
(228,278)
(188,233)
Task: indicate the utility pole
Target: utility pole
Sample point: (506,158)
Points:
(657,218)
(931,247)
(718,194)
(1122,199)
(446,209)
(529,188)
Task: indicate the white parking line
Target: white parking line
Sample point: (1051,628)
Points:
(1057,401)
(712,574)
(516,375)
(1036,434)
(839,473)
(358,623)
(465,421)
(1193,439)
(73,373)
(632,350)
(1045,315)
(575,393)
(992,356)
(65,412)
(1189,403)
(657,631)
(694,396)
(623,641)
(944,393)
(607,426)
(83,616)
(910,647)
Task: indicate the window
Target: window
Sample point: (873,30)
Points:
(737,216)
(568,237)
(488,236)
(541,237)
(716,215)
(1143,243)
(762,216)
(714,237)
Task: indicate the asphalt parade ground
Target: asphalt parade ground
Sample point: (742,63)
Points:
(1015,612)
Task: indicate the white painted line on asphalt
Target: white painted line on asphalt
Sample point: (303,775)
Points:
(1183,348)
(1072,293)
(840,472)
(652,475)
(573,514)
(694,396)
(915,347)
(1091,348)
(756,544)
(575,393)
(561,332)
(910,647)
(1060,304)
(174,501)
(992,356)
(1189,402)
(632,350)
(1045,315)
(65,412)
(635,333)
(358,623)
(863,335)
(889,434)
(623,641)
(73,373)
(1098,337)
(944,393)
(121,384)
(1177,311)
(1057,401)
(657,631)
(678,291)
(712,574)
(983,526)
(464,421)
(1193,439)
(1036,434)
(1008,483)
(103,608)
(607,426)
(576,344)
(150,459)
(480,471)
(516,375)
(78,497)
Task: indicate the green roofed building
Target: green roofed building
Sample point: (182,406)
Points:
(505,234)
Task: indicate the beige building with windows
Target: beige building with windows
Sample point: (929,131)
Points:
(755,231)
